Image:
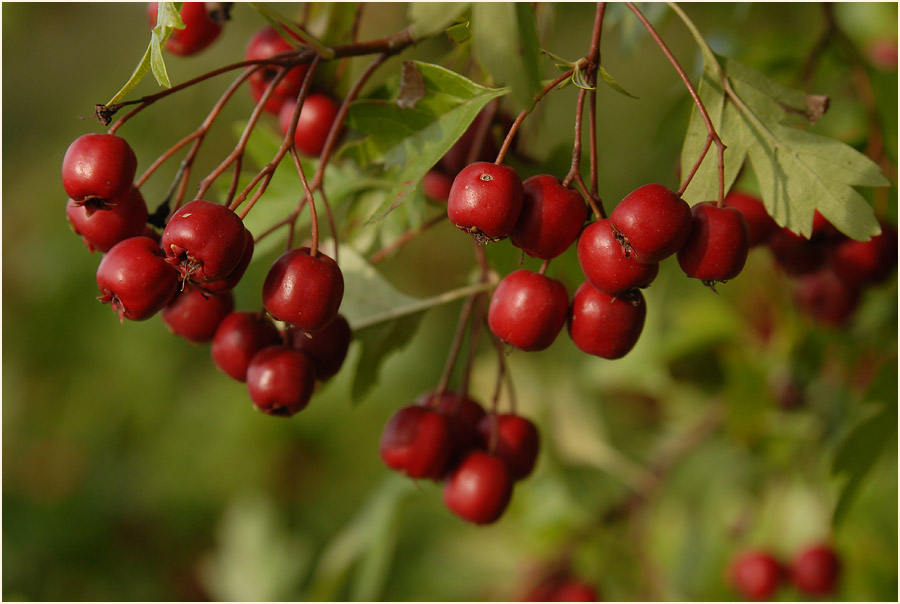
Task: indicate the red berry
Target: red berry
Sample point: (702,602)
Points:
(266,43)
(605,263)
(326,348)
(528,310)
(515,440)
(574,590)
(760,224)
(485,200)
(238,338)
(135,278)
(303,290)
(479,489)
(551,218)
(816,570)
(205,240)
(436,186)
(275,102)
(865,262)
(122,218)
(313,124)
(280,380)
(795,254)
(417,441)
(457,156)
(756,574)
(603,325)
(194,315)
(717,247)
(463,413)
(823,230)
(234,277)
(826,297)
(98,168)
(653,222)
(199,29)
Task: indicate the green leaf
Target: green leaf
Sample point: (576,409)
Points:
(430,18)
(158,63)
(280,23)
(506,43)
(612,83)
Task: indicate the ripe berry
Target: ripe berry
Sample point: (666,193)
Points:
(653,222)
(199,29)
(760,224)
(485,200)
(417,441)
(280,380)
(195,315)
(826,297)
(135,278)
(795,254)
(234,277)
(865,262)
(528,310)
(303,290)
(436,186)
(463,413)
(204,240)
(326,348)
(276,101)
(551,218)
(98,168)
(574,590)
(605,263)
(457,156)
(264,44)
(717,247)
(815,570)
(603,325)
(123,217)
(756,574)
(515,440)
(313,124)
(479,489)
(238,338)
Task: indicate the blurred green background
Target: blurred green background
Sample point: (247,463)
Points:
(134,470)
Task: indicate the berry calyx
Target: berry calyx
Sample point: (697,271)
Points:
(479,488)
(238,338)
(755,574)
(653,222)
(313,124)
(551,218)
(122,218)
(604,325)
(280,380)
(204,240)
(199,29)
(815,570)
(717,247)
(528,310)
(512,438)
(417,441)
(98,168)
(326,348)
(485,200)
(195,315)
(303,290)
(135,279)
(605,263)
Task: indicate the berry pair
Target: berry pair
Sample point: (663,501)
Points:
(814,571)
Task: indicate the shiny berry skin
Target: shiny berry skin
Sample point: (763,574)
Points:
(98,168)
(551,218)
(239,336)
(795,254)
(815,570)
(123,217)
(463,413)
(528,310)
(417,441)
(653,222)
(199,29)
(603,325)
(605,264)
(826,297)
(280,380)
(865,262)
(274,103)
(517,441)
(265,43)
(230,281)
(717,247)
(302,290)
(479,488)
(326,348)
(204,240)
(135,278)
(436,186)
(759,223)
(195,315)
(485,200)
(756,574)
(313,124)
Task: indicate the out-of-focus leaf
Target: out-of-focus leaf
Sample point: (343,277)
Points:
(612,83)
(430,18)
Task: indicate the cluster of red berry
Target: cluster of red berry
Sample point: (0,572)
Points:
(814,571)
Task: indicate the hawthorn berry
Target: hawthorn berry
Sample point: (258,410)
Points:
(135,279)
(204,240)
(574,590)
(457,157)
(865,262)
(479,488)
(199,29)
(463,412)
(195,315)
(122,218)
(512,438)
(795,254)
(316,117)
(606,265)
(826,297)
(756,574)
(98,168)
(417,441)
(528,310)
(302,290)
(266,43)
(759,223)
(326,348)
(280,380)
(275,101)
(436,186)
(234,277)
(551,217)
(239,336)
(485,200)
(815,570)
(653,222)
(717,247)
(603,325)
